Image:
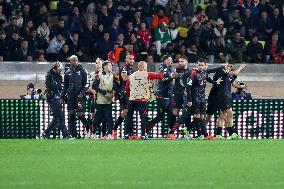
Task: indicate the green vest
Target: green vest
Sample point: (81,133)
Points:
(106,83)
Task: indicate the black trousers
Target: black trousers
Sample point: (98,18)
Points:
(58,118)
(163,106)
(141,107)
(74,105)
(104,113)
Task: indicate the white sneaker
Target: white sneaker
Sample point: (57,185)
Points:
(88,135)
(93,136)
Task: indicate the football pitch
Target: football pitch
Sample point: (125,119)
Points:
(81,164)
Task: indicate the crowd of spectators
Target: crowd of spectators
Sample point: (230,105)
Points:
(243,30)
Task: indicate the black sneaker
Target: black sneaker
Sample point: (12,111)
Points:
(45,136)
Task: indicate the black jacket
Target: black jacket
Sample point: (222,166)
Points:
(53,84)
(165,86)
(75,80)
(178,88)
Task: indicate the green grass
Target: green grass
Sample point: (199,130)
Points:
(158,164)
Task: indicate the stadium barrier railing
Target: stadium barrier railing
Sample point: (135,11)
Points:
(253,119)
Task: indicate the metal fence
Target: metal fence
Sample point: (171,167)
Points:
(253,119)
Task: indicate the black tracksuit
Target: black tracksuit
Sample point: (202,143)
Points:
(75,80)
(53,83)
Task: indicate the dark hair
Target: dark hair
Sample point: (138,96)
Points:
(106,63)
(165,57)
(183,57)
(60,19)
(202,60)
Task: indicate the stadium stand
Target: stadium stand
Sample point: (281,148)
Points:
(243,30)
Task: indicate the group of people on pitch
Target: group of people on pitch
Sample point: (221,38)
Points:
(178,89)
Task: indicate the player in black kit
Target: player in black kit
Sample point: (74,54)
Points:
(224,99)
(195,82)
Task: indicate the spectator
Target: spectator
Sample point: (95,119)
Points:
(249,24)
(55,46)
(137,44)
(187,10)
(145,35)
(277,20)
(169,50)
(75,46)
(2,15)
(43,31)
(220,31)
(59,28)
(266,6)
(14,45)
(193,54)
(114,55)
(104,18)
(81,4)
(211,11)
(206,35)
(112,7)
(137,19)
(23,52)
(161,37)
(183,50)
(171,7)
(271,48)
(177,16)
(236,22)
(224,11)
(41,58)
(27,16)
(217,52)
(279,58)
(253,7)
(127,49)
(27,29)
(160,18)
(90,36)
(76,21)
(41,15)
(148,9)
(104,46)
(173,31)
(120,40)
(254,50)
(36,43)
(20,20)
(128,30)
(64,54)
(150,63)
(199,15)
(153,52)
(114,30)
(91,13)
(4,46)
(64,9)
(162,3)
(123,10)
(264,26)
(12,27)
(237,48)
(194,32)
